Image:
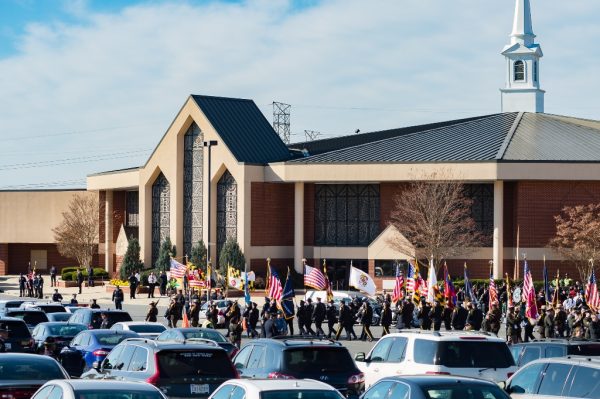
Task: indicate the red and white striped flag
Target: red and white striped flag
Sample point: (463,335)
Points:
(314,278)
(531,310)
(177,269)
(398,293)
(492,292)
(275,287)
(591,293)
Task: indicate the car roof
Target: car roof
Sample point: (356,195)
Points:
(60,323)
(99,384)
(138,323)
(7,318)
(572,360)
(24,310)
(20,355)
(448,335)
(437,380)
(256,386)
(555,341)
(301,341)
(169,345)
(106,331)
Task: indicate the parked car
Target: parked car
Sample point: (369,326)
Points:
(59,316)
(178,369)
(31,317)
(86,389)
(434,386)
(145,329)
(90,346)
(526,352)
(183,334)
(276,389)
(568,377)
(46,307)
(461,353)
(19,337)
(21,374)
(10,304)
(290,357)
(61,333)
(92,317)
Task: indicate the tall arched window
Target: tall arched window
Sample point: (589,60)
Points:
(519,71)
(161,211)
(192,187)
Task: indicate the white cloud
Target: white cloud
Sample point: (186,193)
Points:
(398,62)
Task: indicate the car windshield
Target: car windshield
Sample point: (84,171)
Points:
(17,329)
(301,394)
(464,391)
(464,354)
(213,335)
(30,368)
(317,359)
(147,328)
(31,318)
(112,339)
(113,317)
(66,330)
(585,349)
(59,316)
(194,363)
(116,394)
(53,308)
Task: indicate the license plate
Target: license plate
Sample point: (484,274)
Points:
(199,388)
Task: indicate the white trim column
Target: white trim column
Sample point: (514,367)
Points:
(498,239)
(108,232)
(298,226)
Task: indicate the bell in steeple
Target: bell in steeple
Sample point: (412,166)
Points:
(522,91)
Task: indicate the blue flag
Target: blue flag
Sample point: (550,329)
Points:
(287,298)
(468,289)
(247,291)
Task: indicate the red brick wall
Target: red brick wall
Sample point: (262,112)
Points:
(19,257)
(272,214)
(3,259)
(259,267)
(101,218)
(387,202)
(119,207)
(309,214)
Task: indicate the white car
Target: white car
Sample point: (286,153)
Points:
(459,353)
(97,389)
(276,389)
(222,305)
(145,329)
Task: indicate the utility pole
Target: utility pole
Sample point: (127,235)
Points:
(281,120)
(311,135)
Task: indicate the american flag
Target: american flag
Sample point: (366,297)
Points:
(591,293)
(492,292)
(529,293)
(398,292)
(411,277)
(275,288)
(177,269)
(314,278)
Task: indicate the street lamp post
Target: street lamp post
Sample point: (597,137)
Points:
(209,144)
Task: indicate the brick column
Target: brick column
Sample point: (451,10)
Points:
(108,232)
(298,227)
(3,259)
(498,242)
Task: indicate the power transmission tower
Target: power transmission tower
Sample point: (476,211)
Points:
(281,120)
(311,135)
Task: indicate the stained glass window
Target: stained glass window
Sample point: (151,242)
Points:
(346,214)
(192,187)
(161,192)
(482,209)
(133,206)
(226,210)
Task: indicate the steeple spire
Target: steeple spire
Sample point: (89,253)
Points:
(522,31)
(522,92)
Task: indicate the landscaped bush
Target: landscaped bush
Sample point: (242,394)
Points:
(70,273)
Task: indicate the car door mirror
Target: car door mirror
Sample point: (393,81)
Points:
(97,366)
(360,357)
(502,384)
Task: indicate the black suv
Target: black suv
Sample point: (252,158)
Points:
(529,351)
(31,317)
(195,368)
(19,338)
(92,317)
(301,357)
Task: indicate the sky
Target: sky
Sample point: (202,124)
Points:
(91,86)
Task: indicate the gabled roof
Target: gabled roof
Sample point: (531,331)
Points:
(244,129)
(478,139)
(336,143)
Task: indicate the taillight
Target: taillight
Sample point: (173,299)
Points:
(508,375)
(153,379)
(17,394)
(279,376)
(100,352)
(356,379)
(437,373)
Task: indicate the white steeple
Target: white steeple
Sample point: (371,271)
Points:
(522,91)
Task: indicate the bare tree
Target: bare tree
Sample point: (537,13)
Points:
(578,236)
(77,235)
(434,216)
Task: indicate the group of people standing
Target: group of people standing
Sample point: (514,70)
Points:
(31,285)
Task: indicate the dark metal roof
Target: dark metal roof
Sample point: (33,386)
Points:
(478,139)
(336,143)
(244,129)
(544,137)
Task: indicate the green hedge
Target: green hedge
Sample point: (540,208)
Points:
(485,282)
(70,273)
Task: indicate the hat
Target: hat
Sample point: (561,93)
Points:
(309,300)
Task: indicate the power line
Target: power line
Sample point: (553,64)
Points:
(72,182)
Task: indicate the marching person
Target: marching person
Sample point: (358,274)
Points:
(366,318)
(152,280)
(308,317)
(331,318)
(253,320)
(90,276)
(195,313)
(53,276)
(235,331)
(436,314)
(319,316)
(513,326)
(386,318)
(117,298)
(173,313)
(152,313)
(132,285)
